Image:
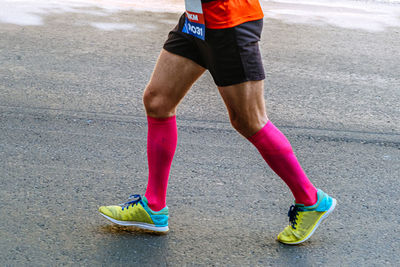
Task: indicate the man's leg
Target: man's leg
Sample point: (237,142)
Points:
(245,103)
(172,78)
(246,107)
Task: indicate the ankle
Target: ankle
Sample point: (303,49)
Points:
(309,198)
(154,204)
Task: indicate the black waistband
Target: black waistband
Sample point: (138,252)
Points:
(206,1)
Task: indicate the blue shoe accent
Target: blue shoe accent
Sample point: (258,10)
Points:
(324,203)
(160,218)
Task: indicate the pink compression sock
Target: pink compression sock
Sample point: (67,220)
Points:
(277,152)
(162,137)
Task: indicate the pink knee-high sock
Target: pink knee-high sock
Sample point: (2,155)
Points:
(277,152)
(162,138)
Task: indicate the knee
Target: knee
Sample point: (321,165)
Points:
(240,124)
(157,104)
(247,126)
(150,99)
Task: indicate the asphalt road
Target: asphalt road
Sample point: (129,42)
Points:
(73,137)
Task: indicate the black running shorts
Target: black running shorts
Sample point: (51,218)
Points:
(231,55)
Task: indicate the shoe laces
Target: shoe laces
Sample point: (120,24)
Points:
(136,199)
(293,212)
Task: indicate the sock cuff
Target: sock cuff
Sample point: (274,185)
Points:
(154,120)
(259,135)
(271,141)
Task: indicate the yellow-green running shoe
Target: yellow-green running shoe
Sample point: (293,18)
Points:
(304,220)
(137,213)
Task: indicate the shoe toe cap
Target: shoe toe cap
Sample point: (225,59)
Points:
(106,211)
(287,236)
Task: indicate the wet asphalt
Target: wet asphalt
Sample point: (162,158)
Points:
(73,137)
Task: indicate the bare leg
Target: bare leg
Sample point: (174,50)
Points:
(172,77)
(246,106)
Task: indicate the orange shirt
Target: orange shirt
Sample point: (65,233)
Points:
(221,14)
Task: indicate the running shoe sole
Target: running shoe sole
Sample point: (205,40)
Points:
(146,226)
(323,217)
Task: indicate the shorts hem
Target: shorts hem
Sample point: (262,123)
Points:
(182,54)
(224,84)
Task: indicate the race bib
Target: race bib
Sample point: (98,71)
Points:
(194,21)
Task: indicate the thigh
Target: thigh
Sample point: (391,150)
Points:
(246,105)
(172,77)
